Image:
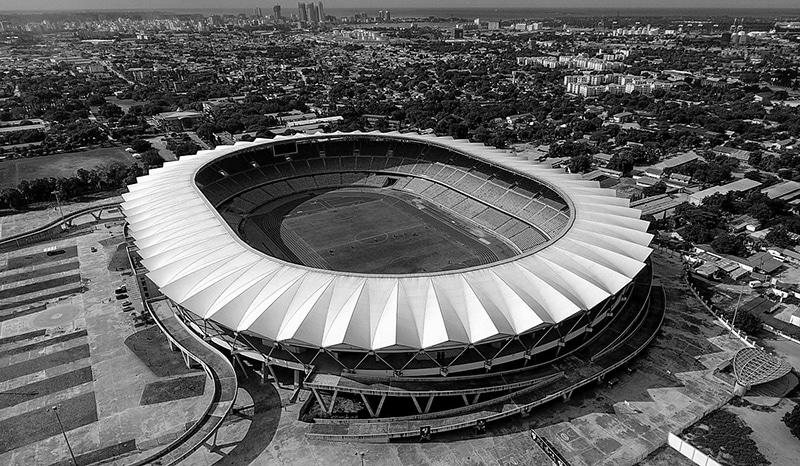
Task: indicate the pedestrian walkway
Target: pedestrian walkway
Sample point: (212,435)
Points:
(62,343)
(219,369)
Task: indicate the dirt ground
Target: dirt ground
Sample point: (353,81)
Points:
(774,439)
(666,456)
(784,348)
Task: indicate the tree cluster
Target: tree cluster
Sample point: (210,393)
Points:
(114,176)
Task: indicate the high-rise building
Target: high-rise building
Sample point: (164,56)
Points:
(302,12)
(257,11)
(321,12)
(387,16)
(313,13)
(276,10)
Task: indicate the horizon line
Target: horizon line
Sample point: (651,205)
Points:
(599,7)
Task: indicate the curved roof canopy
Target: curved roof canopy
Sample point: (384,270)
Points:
(201,264)
(752,366)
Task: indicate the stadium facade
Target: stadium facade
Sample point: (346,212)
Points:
(577,251)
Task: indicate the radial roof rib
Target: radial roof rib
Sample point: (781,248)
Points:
(197,260)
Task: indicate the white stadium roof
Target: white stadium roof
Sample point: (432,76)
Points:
(200,263)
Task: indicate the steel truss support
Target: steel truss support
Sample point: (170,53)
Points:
(373,412)
(428,404)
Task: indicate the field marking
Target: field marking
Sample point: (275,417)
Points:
(399,216)
(356,241)
(383,238)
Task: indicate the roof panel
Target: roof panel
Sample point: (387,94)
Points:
(197,259)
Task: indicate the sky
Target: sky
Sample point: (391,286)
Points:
(56,5)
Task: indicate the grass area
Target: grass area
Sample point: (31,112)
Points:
(45,362)
(39,424)
(59,165)
(41,285)
(36,258)
(119,260)
(173,389)
(151,347)
(45,387)
(370,232)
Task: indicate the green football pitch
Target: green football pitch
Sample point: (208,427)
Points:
(371,231)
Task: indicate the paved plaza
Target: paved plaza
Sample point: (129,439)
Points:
(675,382)
(65,341)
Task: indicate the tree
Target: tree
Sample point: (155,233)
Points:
(186,148)
(96,100)
(729,244)
(620,162)
(792,421)
(13,198)
(141,146)
(109,110)
(580,163)
(206,132)
(747,322)
(151,158)
(659,188)
(779,237)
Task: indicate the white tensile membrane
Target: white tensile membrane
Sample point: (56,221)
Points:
(200,263)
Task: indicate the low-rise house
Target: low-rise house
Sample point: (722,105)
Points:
(742,185)
(744,222)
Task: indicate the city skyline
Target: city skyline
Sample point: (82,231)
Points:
(68,5)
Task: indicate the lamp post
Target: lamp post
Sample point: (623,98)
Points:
(61,426)
(361,454)
(736,311)
(58,201)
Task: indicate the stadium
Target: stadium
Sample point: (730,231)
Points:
(385,265)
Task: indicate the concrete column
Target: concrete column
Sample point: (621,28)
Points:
(188,360)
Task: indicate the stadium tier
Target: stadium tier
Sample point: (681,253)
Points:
(385,254)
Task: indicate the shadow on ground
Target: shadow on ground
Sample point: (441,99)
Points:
(682,338)
(264,415)
(151,347)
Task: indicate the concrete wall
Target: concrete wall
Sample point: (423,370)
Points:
(687,450)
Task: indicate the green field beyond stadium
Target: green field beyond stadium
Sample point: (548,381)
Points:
(59,165)
(367,230)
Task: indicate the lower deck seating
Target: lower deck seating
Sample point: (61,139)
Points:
(512,202)
(511,228)
(492,219)
(528,239)
(328,180)
(497,200)
(351,178)
(375,181)
(418,185)
(450,198)
(256,196)
(303,183)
